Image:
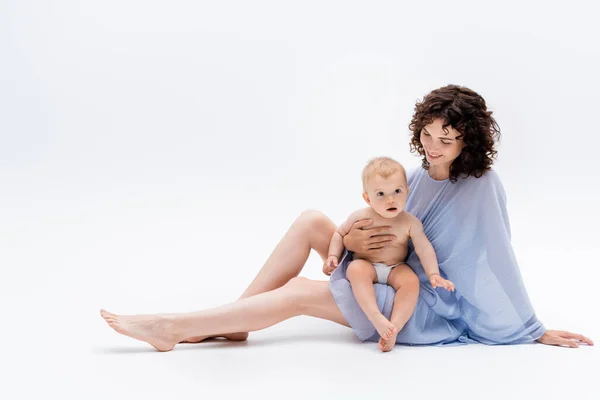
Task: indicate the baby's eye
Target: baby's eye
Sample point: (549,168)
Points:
(398,191)
(379,194)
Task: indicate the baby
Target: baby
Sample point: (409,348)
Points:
(385,189)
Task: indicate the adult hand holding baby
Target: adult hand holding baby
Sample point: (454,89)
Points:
(367,241)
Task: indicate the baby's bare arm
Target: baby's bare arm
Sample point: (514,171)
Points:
(423,248)
(336,246)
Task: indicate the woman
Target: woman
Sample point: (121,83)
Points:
(460,201)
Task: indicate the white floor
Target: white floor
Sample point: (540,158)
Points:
(56,344)
(299,359)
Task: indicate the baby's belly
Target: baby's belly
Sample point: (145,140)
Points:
(388,256)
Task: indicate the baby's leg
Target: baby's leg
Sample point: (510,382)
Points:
(362,275)
(405,281)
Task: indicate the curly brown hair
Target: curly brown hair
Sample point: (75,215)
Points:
(464,110)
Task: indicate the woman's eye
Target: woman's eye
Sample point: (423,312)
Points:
(426,134)
(446,143)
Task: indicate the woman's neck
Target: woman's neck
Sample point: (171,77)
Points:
(439,172)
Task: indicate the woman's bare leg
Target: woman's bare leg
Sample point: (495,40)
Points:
(299,296)
(311,230)
(361,275)
(405,281)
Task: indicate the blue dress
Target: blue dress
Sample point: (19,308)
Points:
(468,226)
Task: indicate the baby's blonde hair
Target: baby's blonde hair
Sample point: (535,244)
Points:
(382,166)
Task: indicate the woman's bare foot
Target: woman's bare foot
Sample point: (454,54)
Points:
(236,337)
(155,330)
(384,327)
(386,345)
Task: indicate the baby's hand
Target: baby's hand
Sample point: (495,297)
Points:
(436,280)
(330,265)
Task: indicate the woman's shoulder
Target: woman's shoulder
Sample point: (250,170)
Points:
(488,183)
(488,178)
(412,173)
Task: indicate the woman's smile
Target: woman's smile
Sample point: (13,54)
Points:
(433,156)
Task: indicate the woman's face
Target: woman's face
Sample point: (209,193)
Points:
(441,148)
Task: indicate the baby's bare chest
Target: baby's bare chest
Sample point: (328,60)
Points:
(396,250)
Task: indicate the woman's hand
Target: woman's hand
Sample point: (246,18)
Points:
(367,241)
(564,338)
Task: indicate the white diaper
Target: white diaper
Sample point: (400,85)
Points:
(383,271)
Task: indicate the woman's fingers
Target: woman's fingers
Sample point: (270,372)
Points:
(573,336)
(378,230)
(576,336)
(570,343)
(379,244)
(380,239)
(557,340)
(375,238)
(564,338)
(362,223)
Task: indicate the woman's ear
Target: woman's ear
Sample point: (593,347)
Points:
(366,197)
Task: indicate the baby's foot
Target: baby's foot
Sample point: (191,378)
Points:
(384,327)
(152,329)
(387,345)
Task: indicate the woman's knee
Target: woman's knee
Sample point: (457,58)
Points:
(317,227)
(297,283)
(314,220)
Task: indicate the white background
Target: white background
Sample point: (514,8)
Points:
(152,153)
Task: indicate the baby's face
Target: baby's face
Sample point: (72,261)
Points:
(387,196)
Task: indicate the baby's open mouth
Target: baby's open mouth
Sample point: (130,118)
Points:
(392,209)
